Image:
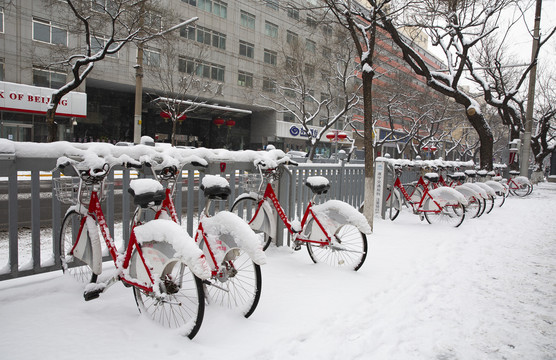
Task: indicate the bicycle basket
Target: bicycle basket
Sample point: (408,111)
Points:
(66,190)
(250,182)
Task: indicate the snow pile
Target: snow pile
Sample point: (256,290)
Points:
(214,181)
(145,186)
(231,229)
(447,196)
(185,247)
(317,181)
(334,213)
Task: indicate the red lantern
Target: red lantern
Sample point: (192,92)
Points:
(425,148)
(230,123)
(433,148)
(165,114)
(219,121)
(330,136)
(342,136)
(182,117)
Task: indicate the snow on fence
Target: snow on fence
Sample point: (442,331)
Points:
(23,255)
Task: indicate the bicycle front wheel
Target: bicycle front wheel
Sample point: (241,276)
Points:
(393,204)
(449,214)
(237,285)
(178,303)
(246,208)
(489,204)
(474,207)
(68,236)
(348,249)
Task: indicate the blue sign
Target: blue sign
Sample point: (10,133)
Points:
(299,131)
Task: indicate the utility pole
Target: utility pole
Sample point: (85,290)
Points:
(526,145)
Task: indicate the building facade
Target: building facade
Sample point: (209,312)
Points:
(234,52)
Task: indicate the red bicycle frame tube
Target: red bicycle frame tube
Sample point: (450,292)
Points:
(95,211)
(168,205)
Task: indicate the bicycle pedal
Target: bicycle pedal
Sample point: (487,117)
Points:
(297,247)
(91,295)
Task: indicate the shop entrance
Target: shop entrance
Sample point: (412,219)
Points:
(16,132)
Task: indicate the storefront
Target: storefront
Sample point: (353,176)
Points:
(23,109)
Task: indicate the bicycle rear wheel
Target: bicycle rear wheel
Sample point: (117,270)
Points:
(474,207)
(68,236)
(245,208)
(449,214)
(522,190)
(489,204)
(237,285)
(177,303)
(348,249)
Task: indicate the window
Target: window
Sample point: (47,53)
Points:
(288,90)
(1,20)
(269,85)
(309,71)
(201,68)
(151,58)
(245,79)
(326,51)
(247,20)
(107,6)
(311,22)
(246,49)
(98,43)
(291,37)
(273,4)
(270,57)
(289,117)
(2,71)
(270,29)
(291,63)
(327,30)
(293,13)
(204,36)
(216,7)
(311,46)
(153,21)
(46,32)
(48,78)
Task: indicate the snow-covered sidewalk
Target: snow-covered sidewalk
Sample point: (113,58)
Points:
(485,290)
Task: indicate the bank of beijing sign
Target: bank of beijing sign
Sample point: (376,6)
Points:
(34,100)
(299,131)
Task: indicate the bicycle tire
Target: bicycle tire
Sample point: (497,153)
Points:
(450,214)
(79,270)
(393,204)
(240,286)
(350,251)
(181,303)
(474,207)
(245,208)
(523,190)
(489,204)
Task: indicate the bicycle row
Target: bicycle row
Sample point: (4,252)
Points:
(174,275)
(449,200)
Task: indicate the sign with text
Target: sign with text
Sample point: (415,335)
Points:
(35,100)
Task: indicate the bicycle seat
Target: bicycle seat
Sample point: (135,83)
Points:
(432,177)
(471,173)
(482,173)
(457,176)
(318,184)
(514,172)
(146,192)
(215,187)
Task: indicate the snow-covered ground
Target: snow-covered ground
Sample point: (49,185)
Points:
(485,290)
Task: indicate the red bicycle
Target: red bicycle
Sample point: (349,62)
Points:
(161,262)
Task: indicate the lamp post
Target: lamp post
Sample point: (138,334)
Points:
(137,118)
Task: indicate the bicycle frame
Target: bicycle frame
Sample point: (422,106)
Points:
(95,212)
(417,206)
(269,196)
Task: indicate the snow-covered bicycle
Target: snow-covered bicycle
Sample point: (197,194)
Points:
(161,262)
(334,232)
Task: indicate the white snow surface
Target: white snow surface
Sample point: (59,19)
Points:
(447,196)
(317,181)
(324,210)
(144,186)
(485,290)
(215,180)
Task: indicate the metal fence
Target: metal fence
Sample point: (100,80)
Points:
(36,189)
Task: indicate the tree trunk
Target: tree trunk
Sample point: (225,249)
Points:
(51,124)
(174,122)
(369,148)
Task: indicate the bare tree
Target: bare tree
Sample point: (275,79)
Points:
(117,23)
(543,140)
(317,91)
